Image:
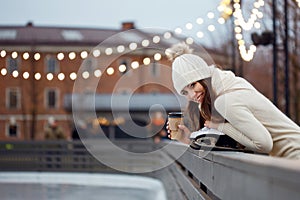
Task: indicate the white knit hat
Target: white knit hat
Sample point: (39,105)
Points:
(189,68)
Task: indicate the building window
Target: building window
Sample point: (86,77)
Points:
(124,67)
(51,65)
(12,128)
(154,91)
(71,35)
(12,65)
(155,69)
(124,91)
(89,65)
(51,97)
(12,98)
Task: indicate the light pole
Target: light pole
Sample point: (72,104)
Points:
(286,61)
(257,40)
(233,57)
(274,8)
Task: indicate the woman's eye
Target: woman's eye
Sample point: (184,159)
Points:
(192,85)
(184,93)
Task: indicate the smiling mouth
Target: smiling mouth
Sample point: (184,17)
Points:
(197,99)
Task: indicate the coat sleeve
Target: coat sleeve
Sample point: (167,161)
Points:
(232,132)
(243,126)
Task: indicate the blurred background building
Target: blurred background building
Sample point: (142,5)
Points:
(39,66)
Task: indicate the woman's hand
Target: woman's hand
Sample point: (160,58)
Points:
(168,130)
(210,124)
(184,131)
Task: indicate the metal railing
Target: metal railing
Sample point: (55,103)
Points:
(194,175)
(237,175)
(72,156)
(47,156)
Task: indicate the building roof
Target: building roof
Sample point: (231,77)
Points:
(29,35)
(124,102)
(42,35)
(45,38)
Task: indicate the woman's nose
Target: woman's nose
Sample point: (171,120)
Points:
(192,95)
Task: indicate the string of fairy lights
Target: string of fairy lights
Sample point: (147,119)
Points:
(226,9)
(83,55)
(244,25)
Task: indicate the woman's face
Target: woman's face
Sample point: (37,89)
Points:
(194,92)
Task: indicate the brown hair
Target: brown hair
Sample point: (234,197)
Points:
(198,116)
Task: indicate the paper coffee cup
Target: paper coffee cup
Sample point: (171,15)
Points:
(175,119)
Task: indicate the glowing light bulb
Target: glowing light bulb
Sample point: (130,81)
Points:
(157,56)
(156,39)
(145,43)
(84,54)
(61,76)
(189,26)
(72,55)
(221,20)
(60,56)
(132,46)
(25,55)
(200,34)
(96,53)
(146,61)
(135,64)
(210,15)
(108,51)
(85,74)
(15,73)
(199,21)
(37,76)
(189,40)
(3,71)
(167,35)
(3,53)
(97,73)
(73,76)
(110,71)
(49,76)
(211,28)
(120,48)
(25,75)
(37,56)
(178,30)
(122,68)
(14,55)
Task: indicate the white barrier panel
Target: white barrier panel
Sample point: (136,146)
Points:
(236,175)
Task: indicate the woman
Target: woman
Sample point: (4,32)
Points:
(248,116)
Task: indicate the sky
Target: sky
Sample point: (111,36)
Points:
(104,14)
(166,14)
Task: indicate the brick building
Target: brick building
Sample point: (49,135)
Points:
(40,66)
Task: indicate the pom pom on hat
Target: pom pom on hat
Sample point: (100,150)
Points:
(178,50)
(187,68)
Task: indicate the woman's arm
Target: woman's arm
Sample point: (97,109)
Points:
(185,134)
(250,143)
(232,132)
(242,125)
